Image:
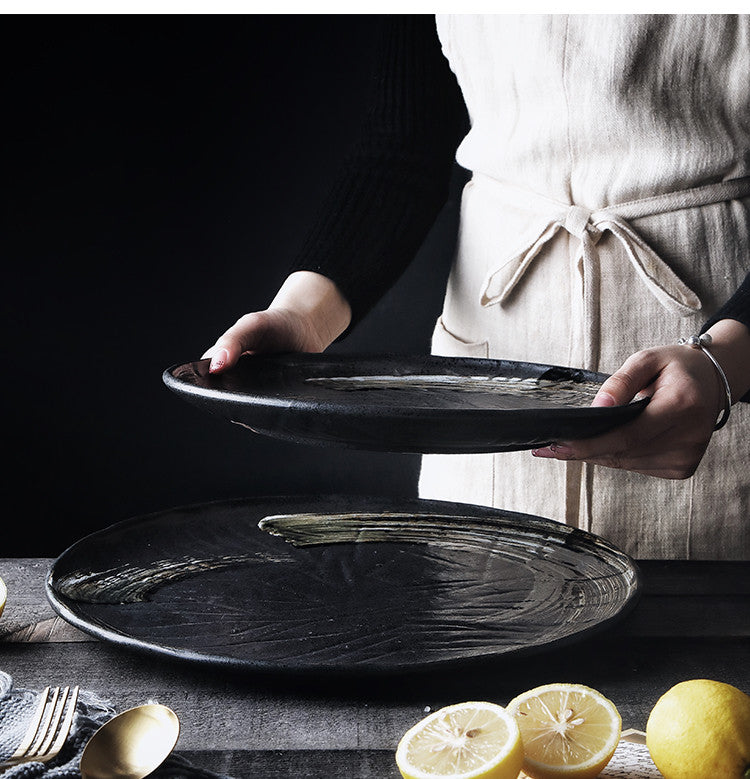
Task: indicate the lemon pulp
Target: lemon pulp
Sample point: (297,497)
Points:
(567,730)
(463,741)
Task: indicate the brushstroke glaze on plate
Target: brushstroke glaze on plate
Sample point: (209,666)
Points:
(340,583)
(424,404)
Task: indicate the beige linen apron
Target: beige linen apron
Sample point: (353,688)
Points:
(609,211)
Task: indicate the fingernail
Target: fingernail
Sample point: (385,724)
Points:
(219,360)
(556,451)
(546,452)
(603,399)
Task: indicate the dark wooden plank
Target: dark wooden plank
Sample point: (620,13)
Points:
(25,578)
(302,764)
(689,616)
(221,710)
(39,630)
(695,577)
(28,617)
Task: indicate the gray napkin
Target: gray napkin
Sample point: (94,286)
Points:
(17,707)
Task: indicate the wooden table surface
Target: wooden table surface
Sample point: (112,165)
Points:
(693,621)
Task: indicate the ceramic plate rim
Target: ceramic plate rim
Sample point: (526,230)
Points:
(344,409)
(115,637)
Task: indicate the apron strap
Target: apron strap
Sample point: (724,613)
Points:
(589,226)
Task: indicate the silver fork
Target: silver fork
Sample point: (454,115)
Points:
(48,728)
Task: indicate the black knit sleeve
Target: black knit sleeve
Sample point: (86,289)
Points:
(737,308)
(396,177)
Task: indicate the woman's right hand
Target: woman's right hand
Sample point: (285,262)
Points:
(307,315)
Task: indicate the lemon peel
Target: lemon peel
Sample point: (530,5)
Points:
(700,729)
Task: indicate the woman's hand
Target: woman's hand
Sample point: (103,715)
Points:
(668,439)
(307,315)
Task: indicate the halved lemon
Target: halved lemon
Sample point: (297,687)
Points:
(463,741)
(3,595)
(568,730)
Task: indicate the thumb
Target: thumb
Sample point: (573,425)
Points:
(272,330)
(636,373)
(223,354)
(237,339)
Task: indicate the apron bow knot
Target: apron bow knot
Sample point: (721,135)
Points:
(589,227)
(578,223)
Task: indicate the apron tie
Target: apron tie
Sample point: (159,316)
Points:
(578,223)
(589,226)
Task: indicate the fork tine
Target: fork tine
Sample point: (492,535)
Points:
(49,727)
(44,727)
(53,724)
(64,729)
(33,725)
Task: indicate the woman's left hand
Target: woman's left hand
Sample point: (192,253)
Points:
(669,437)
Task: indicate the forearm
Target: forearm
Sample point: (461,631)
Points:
(731,348)
(396,177)
(730,329)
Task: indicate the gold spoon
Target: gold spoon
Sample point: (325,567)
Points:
(132,744)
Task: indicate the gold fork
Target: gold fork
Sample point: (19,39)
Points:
(49,727)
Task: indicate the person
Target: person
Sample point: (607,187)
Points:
(607,215)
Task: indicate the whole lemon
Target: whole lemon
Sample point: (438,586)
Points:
(700,729)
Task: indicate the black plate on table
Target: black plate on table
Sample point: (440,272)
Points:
(403,404)
(366,584)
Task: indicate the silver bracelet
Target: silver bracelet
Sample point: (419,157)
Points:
(702,342)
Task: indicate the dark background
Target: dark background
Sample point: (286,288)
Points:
(160,173)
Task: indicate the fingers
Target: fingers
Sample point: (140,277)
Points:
(222,357)
(669,437)
(623,447)
(678,461)
(629,441)
(636,373)
(227,349)
(255,332)
(307,314)
(272,330)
